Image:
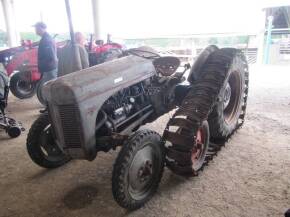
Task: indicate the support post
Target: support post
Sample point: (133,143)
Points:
(268,40)
(75,50)
(96,18)
(261,37)
(10,27)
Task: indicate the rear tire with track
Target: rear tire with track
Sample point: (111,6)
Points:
(41,146)
(213,74)
(189,162)
(231,103)
(138,169)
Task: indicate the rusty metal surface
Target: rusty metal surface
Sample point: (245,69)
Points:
(86,91)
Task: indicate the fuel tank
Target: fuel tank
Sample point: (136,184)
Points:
(74,100)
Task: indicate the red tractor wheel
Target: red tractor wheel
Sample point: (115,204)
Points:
(21,87)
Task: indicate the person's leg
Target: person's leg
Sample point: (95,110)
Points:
(47,76)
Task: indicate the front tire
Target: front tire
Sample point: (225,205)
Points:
(138,169)
(21,88)
(41,146)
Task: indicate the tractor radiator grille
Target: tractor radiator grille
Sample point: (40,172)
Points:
(70,126)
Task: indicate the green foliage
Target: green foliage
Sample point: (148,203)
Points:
(61,36)
(32,36)
(222,41)
(154,42)
(213,41)
(3,38)
(29,36)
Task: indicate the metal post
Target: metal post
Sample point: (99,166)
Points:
(69,17)
(268,40)
(76,60)
(8,16)
(261,37)
(96,18)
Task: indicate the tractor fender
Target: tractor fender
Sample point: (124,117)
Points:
(195,71)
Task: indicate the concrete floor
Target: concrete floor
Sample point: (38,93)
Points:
(249,177)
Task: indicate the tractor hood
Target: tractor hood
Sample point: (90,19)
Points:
(84,84)
(74,100)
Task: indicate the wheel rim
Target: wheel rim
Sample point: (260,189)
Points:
(143,172)
(198,153)
(232,97)
(24,87)
(227,95)
(49,149)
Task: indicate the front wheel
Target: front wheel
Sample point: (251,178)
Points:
(20,87)
(41,146)
(138,169)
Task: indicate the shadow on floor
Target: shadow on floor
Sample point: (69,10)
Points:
(80,197)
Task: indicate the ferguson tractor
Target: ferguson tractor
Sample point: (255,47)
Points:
(21,66)
(104,109)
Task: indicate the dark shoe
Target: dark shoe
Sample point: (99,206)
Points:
(287,214)
(43,110)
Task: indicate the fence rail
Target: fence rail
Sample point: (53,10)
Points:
(187,55)
(284,48)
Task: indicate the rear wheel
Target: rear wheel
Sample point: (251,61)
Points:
(41,145)
(138,169)
(230,106)
(200,102)
(20,87)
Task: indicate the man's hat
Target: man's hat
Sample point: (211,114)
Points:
(40,25)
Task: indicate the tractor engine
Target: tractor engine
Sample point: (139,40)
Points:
(141,103)
(122,105)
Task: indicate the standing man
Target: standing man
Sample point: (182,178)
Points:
(81,43)
(66,63)
(47,59)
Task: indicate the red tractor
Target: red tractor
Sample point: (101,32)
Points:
(21,64)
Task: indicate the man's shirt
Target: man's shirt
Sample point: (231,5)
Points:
(47,59)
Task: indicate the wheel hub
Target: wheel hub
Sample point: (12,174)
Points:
(198,150)
(145,171)
(227,95)
(49,149)
(232,98)
(141,171)
(25,87)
